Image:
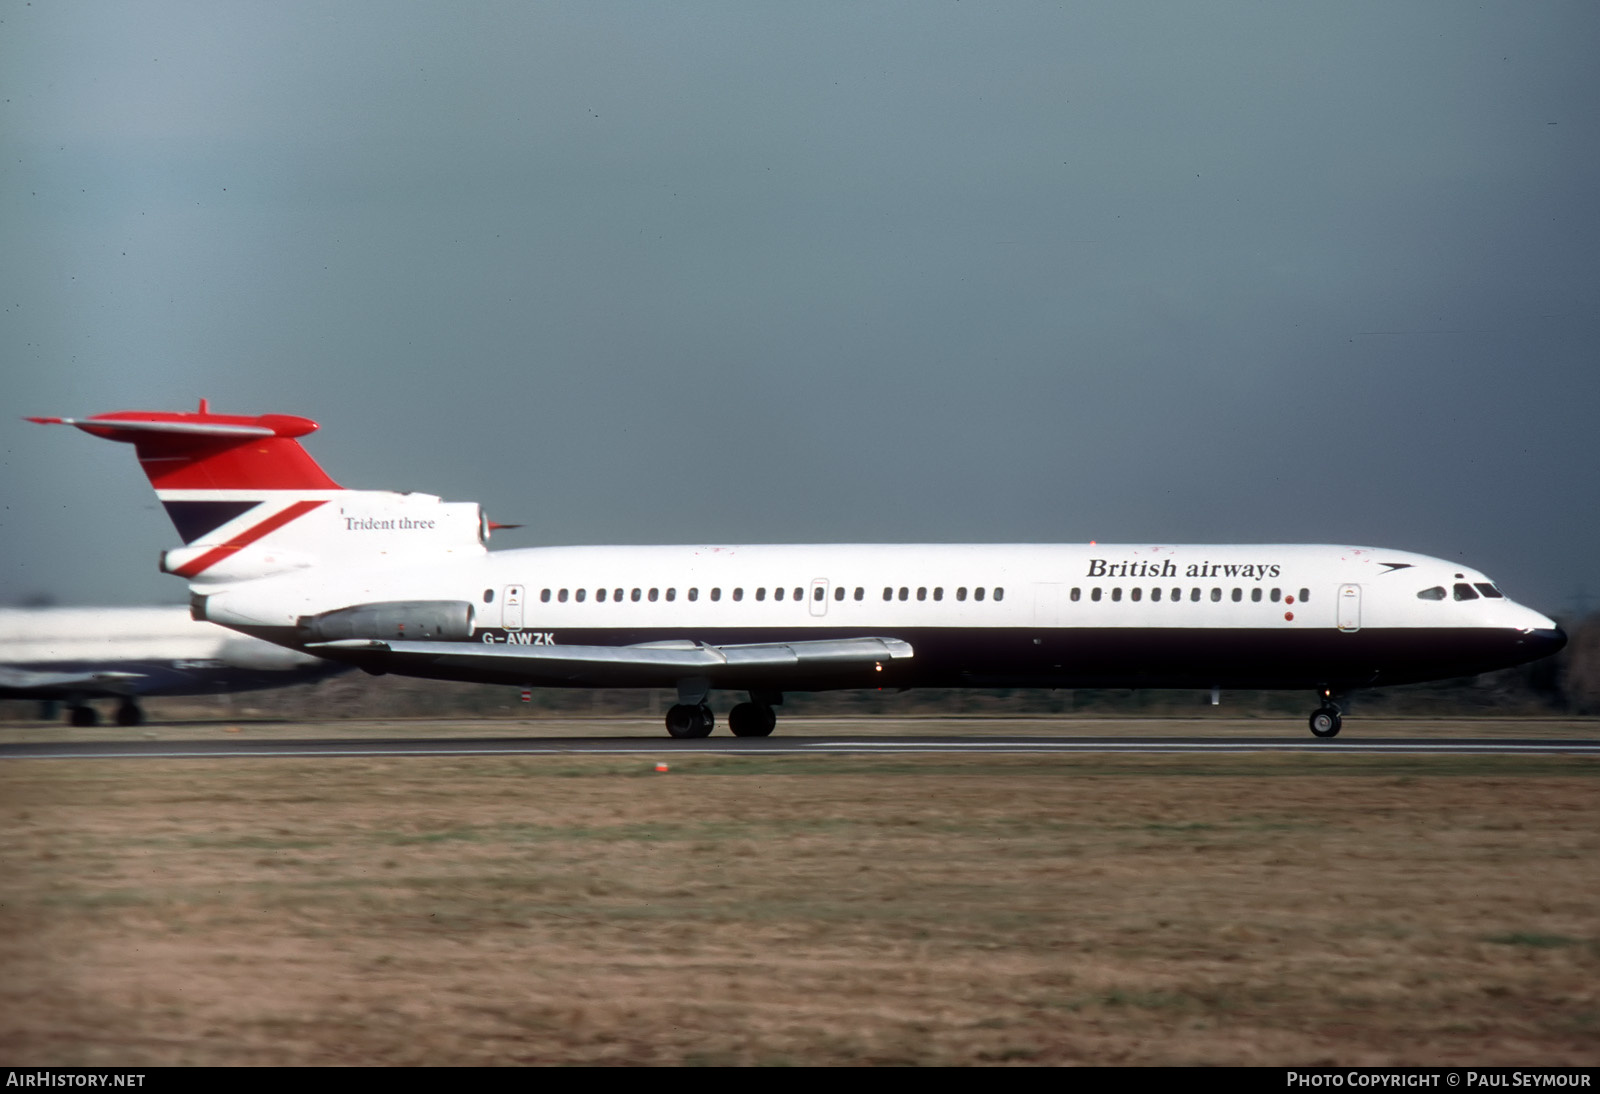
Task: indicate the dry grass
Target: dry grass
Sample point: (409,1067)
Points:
(1241,910)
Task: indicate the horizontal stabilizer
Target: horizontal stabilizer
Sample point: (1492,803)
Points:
(110,427)
(22,684)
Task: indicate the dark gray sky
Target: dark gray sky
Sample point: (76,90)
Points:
(634,273)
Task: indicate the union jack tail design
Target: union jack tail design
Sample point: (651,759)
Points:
(248,501)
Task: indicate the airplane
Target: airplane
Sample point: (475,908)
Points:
(77,654)
(405,583)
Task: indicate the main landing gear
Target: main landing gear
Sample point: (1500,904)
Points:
(690,720)
(691,717)
(1328,719)
(129,713)
(752,720)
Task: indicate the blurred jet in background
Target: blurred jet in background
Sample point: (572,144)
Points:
(73,655)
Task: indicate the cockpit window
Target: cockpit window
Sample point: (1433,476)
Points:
(1435,593)
(1464,591)
(1489,590)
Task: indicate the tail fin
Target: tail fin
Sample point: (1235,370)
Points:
(230,482)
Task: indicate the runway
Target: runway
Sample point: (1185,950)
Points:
(792,745)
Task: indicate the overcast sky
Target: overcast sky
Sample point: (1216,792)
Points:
(776,272)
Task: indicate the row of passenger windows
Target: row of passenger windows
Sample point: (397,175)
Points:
(1196,594)
(1462,591)
(937,593)
(1459,591)
(561,596)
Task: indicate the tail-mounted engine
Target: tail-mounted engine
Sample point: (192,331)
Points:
(392,619)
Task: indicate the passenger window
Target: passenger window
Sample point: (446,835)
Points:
(544,596)
(716,594)
(1094,594)
(617,596)
(938,592)
(1155,595)
(1073,596)
(860,592)
(694,594)
(1216,594)
(1116,594)
(1305,595)
(1238,595)
(922,593)
(799,593)
(905,593)
(777,594)
(977,594)
(488,596)
(580,594)
(672,594)
(1435,593)
(1276,594)
(888,593)
(817,593)
(1135,593)
(1489,590)
(636,595)
(653,594)
(961,593)
(561,597)
(1255,595)
(738,594)
(838,594)
(761,593)
(999,593)
(1464,591)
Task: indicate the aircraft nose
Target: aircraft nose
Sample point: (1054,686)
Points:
(1543,641)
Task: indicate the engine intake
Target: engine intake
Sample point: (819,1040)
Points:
(392,619)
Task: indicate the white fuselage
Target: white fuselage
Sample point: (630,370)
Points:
(1307,615)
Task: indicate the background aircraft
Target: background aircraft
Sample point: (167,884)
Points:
(73,655)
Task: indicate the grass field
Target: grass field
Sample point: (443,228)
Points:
(802,910)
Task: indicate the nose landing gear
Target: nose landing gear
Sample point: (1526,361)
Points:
(1328,719)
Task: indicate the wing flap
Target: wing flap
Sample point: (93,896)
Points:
(656,664)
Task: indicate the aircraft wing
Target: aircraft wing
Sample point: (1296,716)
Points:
(652,664)
(22,684)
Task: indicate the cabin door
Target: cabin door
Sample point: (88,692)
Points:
(819,596)
(1349,607)
(511,607)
